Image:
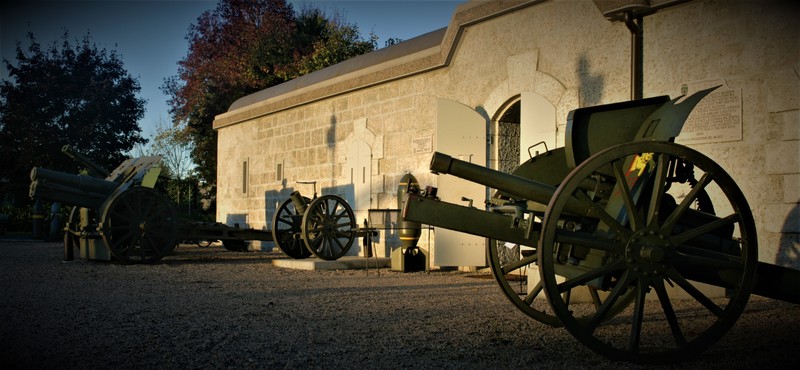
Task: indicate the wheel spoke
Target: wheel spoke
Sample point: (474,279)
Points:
(659,188)
(595,297)
(568,297)
(669,313)
(598,211)
(534,292)
(634,217)
(316,243)
(285,221)
(605,308)
(707,228)
(695,293)
(338,244)
(673,218)
(584,278)
(520,263)
(638,316)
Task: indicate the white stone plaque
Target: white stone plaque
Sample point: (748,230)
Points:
(422,144)
(717,118)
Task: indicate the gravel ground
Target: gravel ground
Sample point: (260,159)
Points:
(210,308)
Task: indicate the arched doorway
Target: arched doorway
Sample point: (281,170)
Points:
(522,122)
(505,138)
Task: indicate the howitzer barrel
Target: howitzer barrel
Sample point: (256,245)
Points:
(67,195)
(100,171)
(513,185)
(78,190)
(79,182)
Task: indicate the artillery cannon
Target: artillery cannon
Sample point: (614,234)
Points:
(620,223)
(324,226)
(122,217)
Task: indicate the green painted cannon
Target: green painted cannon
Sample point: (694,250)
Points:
(121,217)
(620,227)
(323,226)
(118,217)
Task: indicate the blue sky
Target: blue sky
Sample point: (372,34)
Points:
(148,35)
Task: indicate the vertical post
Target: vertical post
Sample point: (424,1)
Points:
(637,60)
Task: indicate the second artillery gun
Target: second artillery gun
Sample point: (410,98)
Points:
(614,229)
(122,217)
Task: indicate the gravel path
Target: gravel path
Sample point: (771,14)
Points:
(210,308)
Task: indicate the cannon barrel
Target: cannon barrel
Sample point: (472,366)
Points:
(67,195)
(79,182)
(78,190)
(510,184)
(82,159)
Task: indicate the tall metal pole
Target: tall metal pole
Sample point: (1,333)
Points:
(637,78)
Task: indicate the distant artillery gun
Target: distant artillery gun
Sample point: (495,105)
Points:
(620,211)
(122,217)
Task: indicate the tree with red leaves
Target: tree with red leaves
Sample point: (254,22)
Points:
(243,46)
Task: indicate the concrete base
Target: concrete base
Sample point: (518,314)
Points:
(344,263)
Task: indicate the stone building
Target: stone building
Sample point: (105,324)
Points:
(503,76)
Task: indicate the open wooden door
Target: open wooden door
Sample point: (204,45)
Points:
(460,133)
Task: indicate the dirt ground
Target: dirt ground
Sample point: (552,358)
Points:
(210,308)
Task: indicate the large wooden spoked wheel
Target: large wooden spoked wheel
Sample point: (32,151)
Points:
(139,225)
(656,246)
(329,227)
(512,276)
(286,230)
(515,267)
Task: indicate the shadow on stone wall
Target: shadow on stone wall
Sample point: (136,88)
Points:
(591,85)
(789,248)
(233,219)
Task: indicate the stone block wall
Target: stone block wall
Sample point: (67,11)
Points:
(753,48)
(568,53)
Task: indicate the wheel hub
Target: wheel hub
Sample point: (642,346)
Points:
(647,252)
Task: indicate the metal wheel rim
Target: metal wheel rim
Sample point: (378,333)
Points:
(286,230)
(675,343)
(139,226)
(533,304)
(329,227)
(515,290)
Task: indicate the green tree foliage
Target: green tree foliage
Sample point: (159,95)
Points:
(77,95)
(322,42)
(175,148)
(177,178)
(243,46)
